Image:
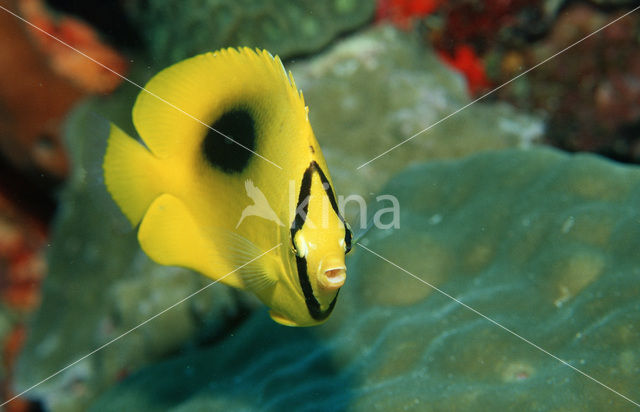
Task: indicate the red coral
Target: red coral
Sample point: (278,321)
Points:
(68,62)
(478,22)
(402,12)
(466,61)
(23,265)
(469,27)
(22,268)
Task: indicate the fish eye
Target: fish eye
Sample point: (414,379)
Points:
(301,249)
(294,249)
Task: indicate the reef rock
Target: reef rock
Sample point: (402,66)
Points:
(377,88)
(174,30)
(540,242)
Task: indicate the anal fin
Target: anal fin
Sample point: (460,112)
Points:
(254,274)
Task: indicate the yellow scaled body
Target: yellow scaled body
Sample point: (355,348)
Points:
(231,170)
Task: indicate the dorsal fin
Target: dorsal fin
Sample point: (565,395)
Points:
(170,112)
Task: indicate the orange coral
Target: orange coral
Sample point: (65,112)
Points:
(41,79)
(21,257)
(22,267)
(33,103)
(9,352)
(68,62)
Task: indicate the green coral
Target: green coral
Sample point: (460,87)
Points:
(174,30)
(542,242)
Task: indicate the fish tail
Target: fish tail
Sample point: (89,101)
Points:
(130,174)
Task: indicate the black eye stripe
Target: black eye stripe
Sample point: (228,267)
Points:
(347,239)
(332,198)
(327,188)
(313,306)
(303,197)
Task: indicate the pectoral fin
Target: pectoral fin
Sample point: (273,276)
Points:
(254,273)
(170,236)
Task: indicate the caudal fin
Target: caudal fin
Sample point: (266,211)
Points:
(130,174)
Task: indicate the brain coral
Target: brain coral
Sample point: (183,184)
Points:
(542,242)
(176,29)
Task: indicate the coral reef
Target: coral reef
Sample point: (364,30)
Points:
(40,80)
(175,30)
(29,120)
(591,91)
(70,59)
(465,60)
(542,242)
(110,279)
(462,31)
(22,267)
(482,23)
(22,240)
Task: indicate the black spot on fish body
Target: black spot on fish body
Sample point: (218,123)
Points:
(231,156)
(312,149)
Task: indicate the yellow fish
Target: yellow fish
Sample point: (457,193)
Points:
(228,170)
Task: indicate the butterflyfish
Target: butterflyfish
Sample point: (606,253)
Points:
(227,168)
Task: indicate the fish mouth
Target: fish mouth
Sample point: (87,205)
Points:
(333,278)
